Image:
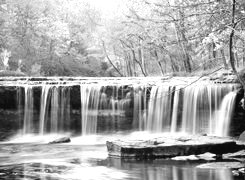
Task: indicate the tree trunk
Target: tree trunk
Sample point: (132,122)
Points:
(51,52)
(237,60)
(108,58)
(142,60)
(182,40)
(139,63)
(232,55)
(141,56)
(158,62)
(223,58)
(243,54)
(173,64)
(214,51)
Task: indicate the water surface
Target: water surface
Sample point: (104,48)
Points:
(85,158)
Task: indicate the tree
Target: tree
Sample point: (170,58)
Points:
(48,33)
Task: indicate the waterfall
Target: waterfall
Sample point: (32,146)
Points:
(28,116)
(113,106)
(64,109)
(54,109)
(159,111)
(140,105)
(44,108)
(89,108)
(198,103)
(224,114)
(175,110)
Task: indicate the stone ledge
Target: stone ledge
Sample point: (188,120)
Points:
(167,147)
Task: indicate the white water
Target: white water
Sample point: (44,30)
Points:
(28,112)
(224,115)
(175,110)
(89,108)
(44,107)
(195,111)
(54,109)
(156,106)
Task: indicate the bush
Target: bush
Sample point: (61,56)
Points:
(5,73)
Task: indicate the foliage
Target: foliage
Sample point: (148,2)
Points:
(178,35)
(54,35)
(152,37)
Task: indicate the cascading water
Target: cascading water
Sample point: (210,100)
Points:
(89,108)
(145,105)
(225,114)
(44,108)
(198,103)
(175,109)
(54,109)
(28,116)
(160,108)
(140,106)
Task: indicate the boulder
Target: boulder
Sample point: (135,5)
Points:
(61,140)
(171,146)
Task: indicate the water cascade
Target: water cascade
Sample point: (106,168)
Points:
(191,109)
(90,95)
(28,116)
(89,106)
(54,109)
(224,114)
(44,108)
(140,106)
(175,109)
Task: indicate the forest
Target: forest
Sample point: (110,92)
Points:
(144,37)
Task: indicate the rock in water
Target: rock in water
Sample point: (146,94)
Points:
(167,147)
(61,140)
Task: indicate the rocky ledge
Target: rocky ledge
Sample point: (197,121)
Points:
(171,146)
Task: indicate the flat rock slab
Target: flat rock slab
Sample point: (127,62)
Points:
(171,146)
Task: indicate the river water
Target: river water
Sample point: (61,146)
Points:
(85,158)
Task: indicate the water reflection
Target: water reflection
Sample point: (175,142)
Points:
(169,170)
(90,162)
(124,171)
